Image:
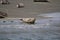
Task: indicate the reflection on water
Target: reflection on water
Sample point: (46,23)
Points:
(56,14)
(43,29)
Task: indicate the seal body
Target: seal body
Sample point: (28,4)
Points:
(20,5)
(3,14)
(28,20)
(4,2)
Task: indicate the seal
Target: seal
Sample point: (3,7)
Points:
(28,20)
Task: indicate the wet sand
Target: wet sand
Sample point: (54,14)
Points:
(31,9)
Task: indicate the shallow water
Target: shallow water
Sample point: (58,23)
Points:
(43,29)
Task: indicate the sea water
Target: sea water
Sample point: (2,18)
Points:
(43,29)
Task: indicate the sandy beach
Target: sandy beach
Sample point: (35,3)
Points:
(31,8)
